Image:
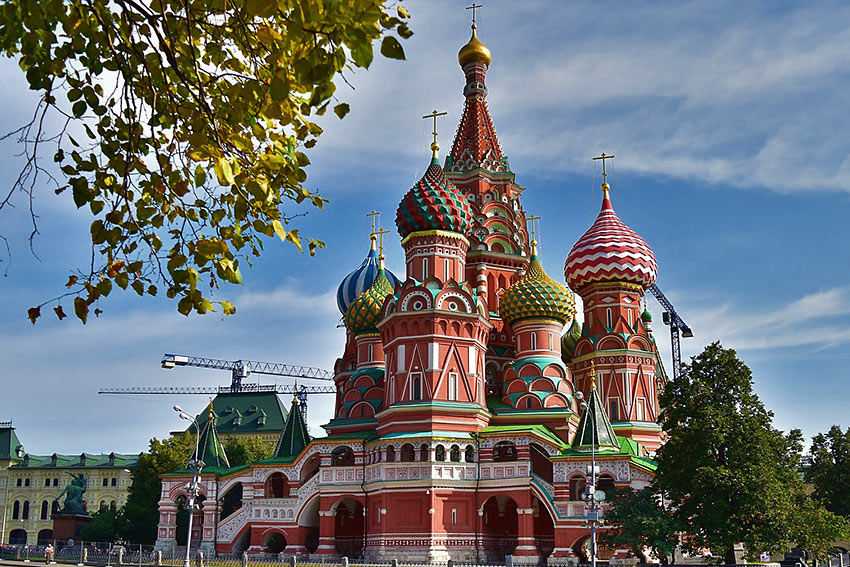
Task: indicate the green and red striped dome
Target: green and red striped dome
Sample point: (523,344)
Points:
(434,203)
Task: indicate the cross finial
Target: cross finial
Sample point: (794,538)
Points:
(434,145)
(531,219)
(603,157)
(592,376)
(375,217)
(380,234)
(473,8)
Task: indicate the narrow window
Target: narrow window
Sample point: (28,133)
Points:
(641,409)
(399,366)
(19,482)
(371,351)
(26,482)
(608,318)
(392,390)
(44,508)
(25,514)
(46,482)
(528,403)
(424,268)
(106,482)
(417,388)
(55,482)
(446,269)
(454,515)
(453,380)
(16,510)
(114,482)
(533,341)
(551,347)
(614,410)
(629,311)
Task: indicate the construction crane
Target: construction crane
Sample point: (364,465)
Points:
(239,369)
(677,327)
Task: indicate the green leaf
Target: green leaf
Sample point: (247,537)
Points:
(79,108)
(200,176)
(184,306)
(341,110)
(391,48)
(81,309)
(223,171)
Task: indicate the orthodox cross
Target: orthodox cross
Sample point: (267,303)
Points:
(380,234)
(374,214)
(531,219)
(473,8)
(603,157)
(434,114)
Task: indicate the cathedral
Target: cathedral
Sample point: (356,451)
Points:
(469,400)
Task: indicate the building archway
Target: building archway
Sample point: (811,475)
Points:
(277,486)
(581,546)
(18,537)
(310,468)
(44,537)
(231,501)
(348,527)
(540,463)
(274,542)
(544,528)
(499,527)
(308,519)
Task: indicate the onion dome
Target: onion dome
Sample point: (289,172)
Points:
(474,51)
(646,316)
(364,313)
(360,279)
(537,295)
(569,340)
(610,252)
(434,203)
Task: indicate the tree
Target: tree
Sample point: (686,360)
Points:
(731,475)
(140,515)
(638,520)
(180,125)
(829,472)
(103,526)
(244,450)
(816,529)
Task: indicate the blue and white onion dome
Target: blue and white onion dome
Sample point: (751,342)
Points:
(362,279)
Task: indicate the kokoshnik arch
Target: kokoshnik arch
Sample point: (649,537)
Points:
(457,432)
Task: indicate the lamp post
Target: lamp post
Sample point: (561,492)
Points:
(592,497)
(196,465)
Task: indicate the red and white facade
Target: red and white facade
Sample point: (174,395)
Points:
(453,429)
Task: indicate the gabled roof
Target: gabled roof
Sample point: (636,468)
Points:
(246,412)
(10,446)
(294,438)
(594,429)
(81,461)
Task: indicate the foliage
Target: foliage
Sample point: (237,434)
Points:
(731,474)
(139,516)
(638,520)
(829,473)
(816,529)
(180,125)
(244,450)
(103,526)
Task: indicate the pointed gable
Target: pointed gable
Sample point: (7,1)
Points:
(210,447)
(294,438)
(594,428)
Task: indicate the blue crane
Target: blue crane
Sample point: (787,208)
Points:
(676,324)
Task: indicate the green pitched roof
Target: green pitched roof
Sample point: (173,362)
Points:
(246,412)
(594,428)
(209,445)
(10,446)
(82,461)
(538,429)
(294,438)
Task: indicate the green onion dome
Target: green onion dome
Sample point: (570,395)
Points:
(537,295)
(569,340)
(364,313)
(434,203)
(646,316)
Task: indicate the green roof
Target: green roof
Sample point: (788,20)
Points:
(246,412)
(537,429)
(82,461)
(10,446)
(294,438)
(594,428)
(209,445)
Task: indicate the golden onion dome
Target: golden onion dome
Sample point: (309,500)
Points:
(473,52)
(537,295)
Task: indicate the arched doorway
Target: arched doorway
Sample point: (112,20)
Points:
(18,537)
(232,500)
(348,528)
(544,528)
(45,537)
(183,519)
(308,519)
(277,486)
(274,542)
(310,468)
(499,529)
(581,549)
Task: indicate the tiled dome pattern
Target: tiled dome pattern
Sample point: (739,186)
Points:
(537,295)
(434,203)
(364,313)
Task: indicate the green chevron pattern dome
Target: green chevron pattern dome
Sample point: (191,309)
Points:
(569,341)
(537,295)
(434,203)
(364,313)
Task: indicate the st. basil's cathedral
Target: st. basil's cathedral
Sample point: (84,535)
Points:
(458,430)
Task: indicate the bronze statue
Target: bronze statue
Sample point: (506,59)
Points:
(74,494)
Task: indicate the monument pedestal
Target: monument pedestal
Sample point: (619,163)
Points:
(69,526)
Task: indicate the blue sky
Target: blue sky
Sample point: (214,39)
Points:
(729,122)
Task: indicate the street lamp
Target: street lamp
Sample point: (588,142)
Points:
(592,497)
(196,465)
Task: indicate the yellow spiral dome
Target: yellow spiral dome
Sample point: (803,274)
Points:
(537,295)
(364,313)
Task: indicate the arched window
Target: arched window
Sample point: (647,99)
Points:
(417,387)
(390,454)
(454,455)
(310,468)
(113,505)
(606,484)
(608,321)
(528,402)
(25,514)
(277,486)
(16,510)
(440,453)
(44,509)
(342,457)
(469,455)
(446,269)
(504,451)
(102,505)
(392,390)
(423,453)
(55,507)
(408,453)
(424,269)
(577,484)
(533,341)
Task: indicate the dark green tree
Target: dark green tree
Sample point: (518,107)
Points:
(140,515)
(829,473)
(181,127)
(732,476)
(103,527)
(816,529)
(639,520)
(244,450)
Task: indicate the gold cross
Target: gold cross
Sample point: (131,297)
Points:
(593,372)
(373,214)
(434,114)
(531,219)
(473,8)
(603,157)
(380,233)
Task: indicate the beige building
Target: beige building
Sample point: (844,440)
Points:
(30,484)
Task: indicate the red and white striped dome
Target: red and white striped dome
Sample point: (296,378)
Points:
(610,252)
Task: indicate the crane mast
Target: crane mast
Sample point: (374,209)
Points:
(677,327)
